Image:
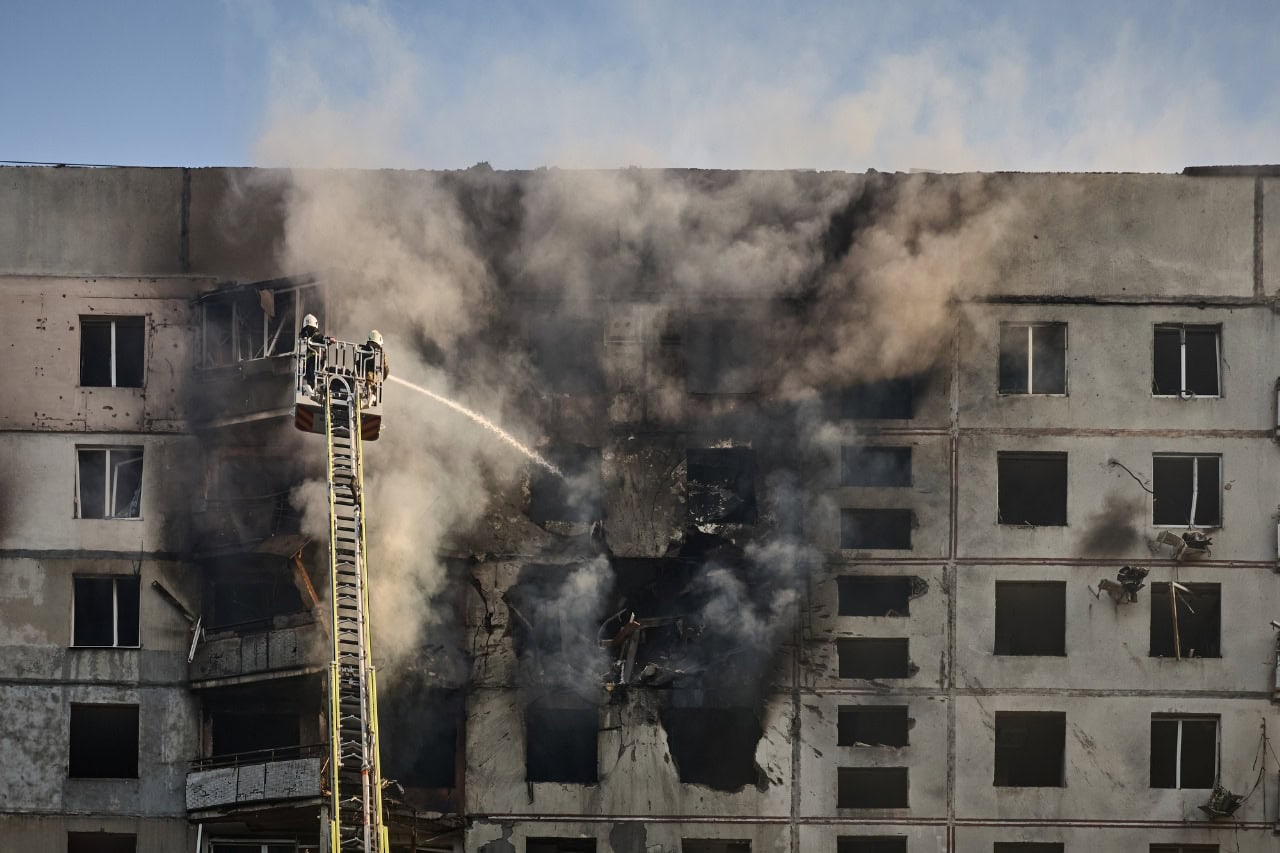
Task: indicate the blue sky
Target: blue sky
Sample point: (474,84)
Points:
(1149,86)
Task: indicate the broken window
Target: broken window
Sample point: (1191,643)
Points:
(111,351)
(104,742)
(1187,621)
(1031,618)
(721,485)
(567,352)
(860,595)
(560,845)
(1032,488)
(108,482)
(574,497)
(886,399)
(250,322)
(424,723)
(871,788)
(1027,847)
(1033,358)
(234,731)
(1029,749)
(254,846)
(1187,360)
(105,612)
(871,844)
(875,466)
(720,356)
(247,591)
(873,657)
(872,725)
(887,529)
(103,842)
(1183,848)
(561,744)
(714,845)
(1184,751)
(715,747)
(1186,490)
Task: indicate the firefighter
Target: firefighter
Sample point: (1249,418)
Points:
(312,340)
(375,345)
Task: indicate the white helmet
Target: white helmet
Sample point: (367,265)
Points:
(375,337)
(310,324)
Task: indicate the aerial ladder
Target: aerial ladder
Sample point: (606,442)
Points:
(338,393)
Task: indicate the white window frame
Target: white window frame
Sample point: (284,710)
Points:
(1031,391)
(113,354)
(1177,757)
(1183,394)
(115,613)
(110,482)
(269,339)
(1195,489)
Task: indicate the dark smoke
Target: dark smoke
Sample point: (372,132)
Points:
(1114,529)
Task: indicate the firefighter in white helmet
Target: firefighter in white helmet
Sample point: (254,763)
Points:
(374,345)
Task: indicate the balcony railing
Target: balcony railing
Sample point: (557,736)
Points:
(251,778)
(260,651)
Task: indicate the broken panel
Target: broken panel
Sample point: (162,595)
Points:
(714,845)
(873,725)
(1187,361)
(1029,749)
(874,657)
(575,497)
(1189,625)
(561,743)
(560,845)
(1033,358)
(104,742)
(872,788)
(875,466)
(887,529)
(860,595)
(871,844)
(1032,488)
(1184,752)
(112,351)
(1186,490)
(721,485)
(885,399)
(103,842)
(1031,618)
(720,356)
(715,747)
(105,612)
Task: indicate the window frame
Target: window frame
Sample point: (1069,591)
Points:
(1216,719)
(1195,490)
(115,611)
(110,484)
(1183,394)
(114,346)
(1030,351)
(254,845)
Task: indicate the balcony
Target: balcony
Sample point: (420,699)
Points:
(264,525)
(255,778)
(259,651)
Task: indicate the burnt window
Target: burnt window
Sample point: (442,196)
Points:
(574,497)
(560,845)
(1027,847)
(721,485)
(1031,618)
(249,592)
(104,742)
(860,595)
(1187,360)
(714,845)
(244,729)
(103,842)
(111,351)
(1186,620)
(1033,358)
(873,657)
(871,844)
(255,846)
(561,744)
(250,322)
(1183,848)
(108,482)
(885,399)
(424,723)
(1032,488)
(875,466)
(1029,749)
(105,612)
(568,353)
(872,725)
(715,747)
(720,356)
(1184,751)
(1186,490)
(888,529)
(871,788)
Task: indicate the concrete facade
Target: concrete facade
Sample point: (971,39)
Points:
(1110,256)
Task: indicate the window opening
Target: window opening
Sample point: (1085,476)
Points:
(872,725)
(715,747)
(1033,358)
(887,529)
(1031,488)
(884,399)
(721,485)
(245,729)
(103,842)
(249,324)
(1183,848)
(714,845)
(1186,620)
(1027,847)
(574,497)
(105,612)
(1029,749)
(108,482)
(104,742)
(872,788)
(720,356)
(112,351)
(874,657)
(560,845)
(1031,618)
(1184,752)
(862,595)
(253,846)
(1187,360)
(875,466)
(425,723)
(561,744)
(1186,490)
(871,844)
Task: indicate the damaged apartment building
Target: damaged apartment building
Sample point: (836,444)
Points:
(890,513)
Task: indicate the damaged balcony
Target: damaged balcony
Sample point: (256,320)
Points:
(256,778)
